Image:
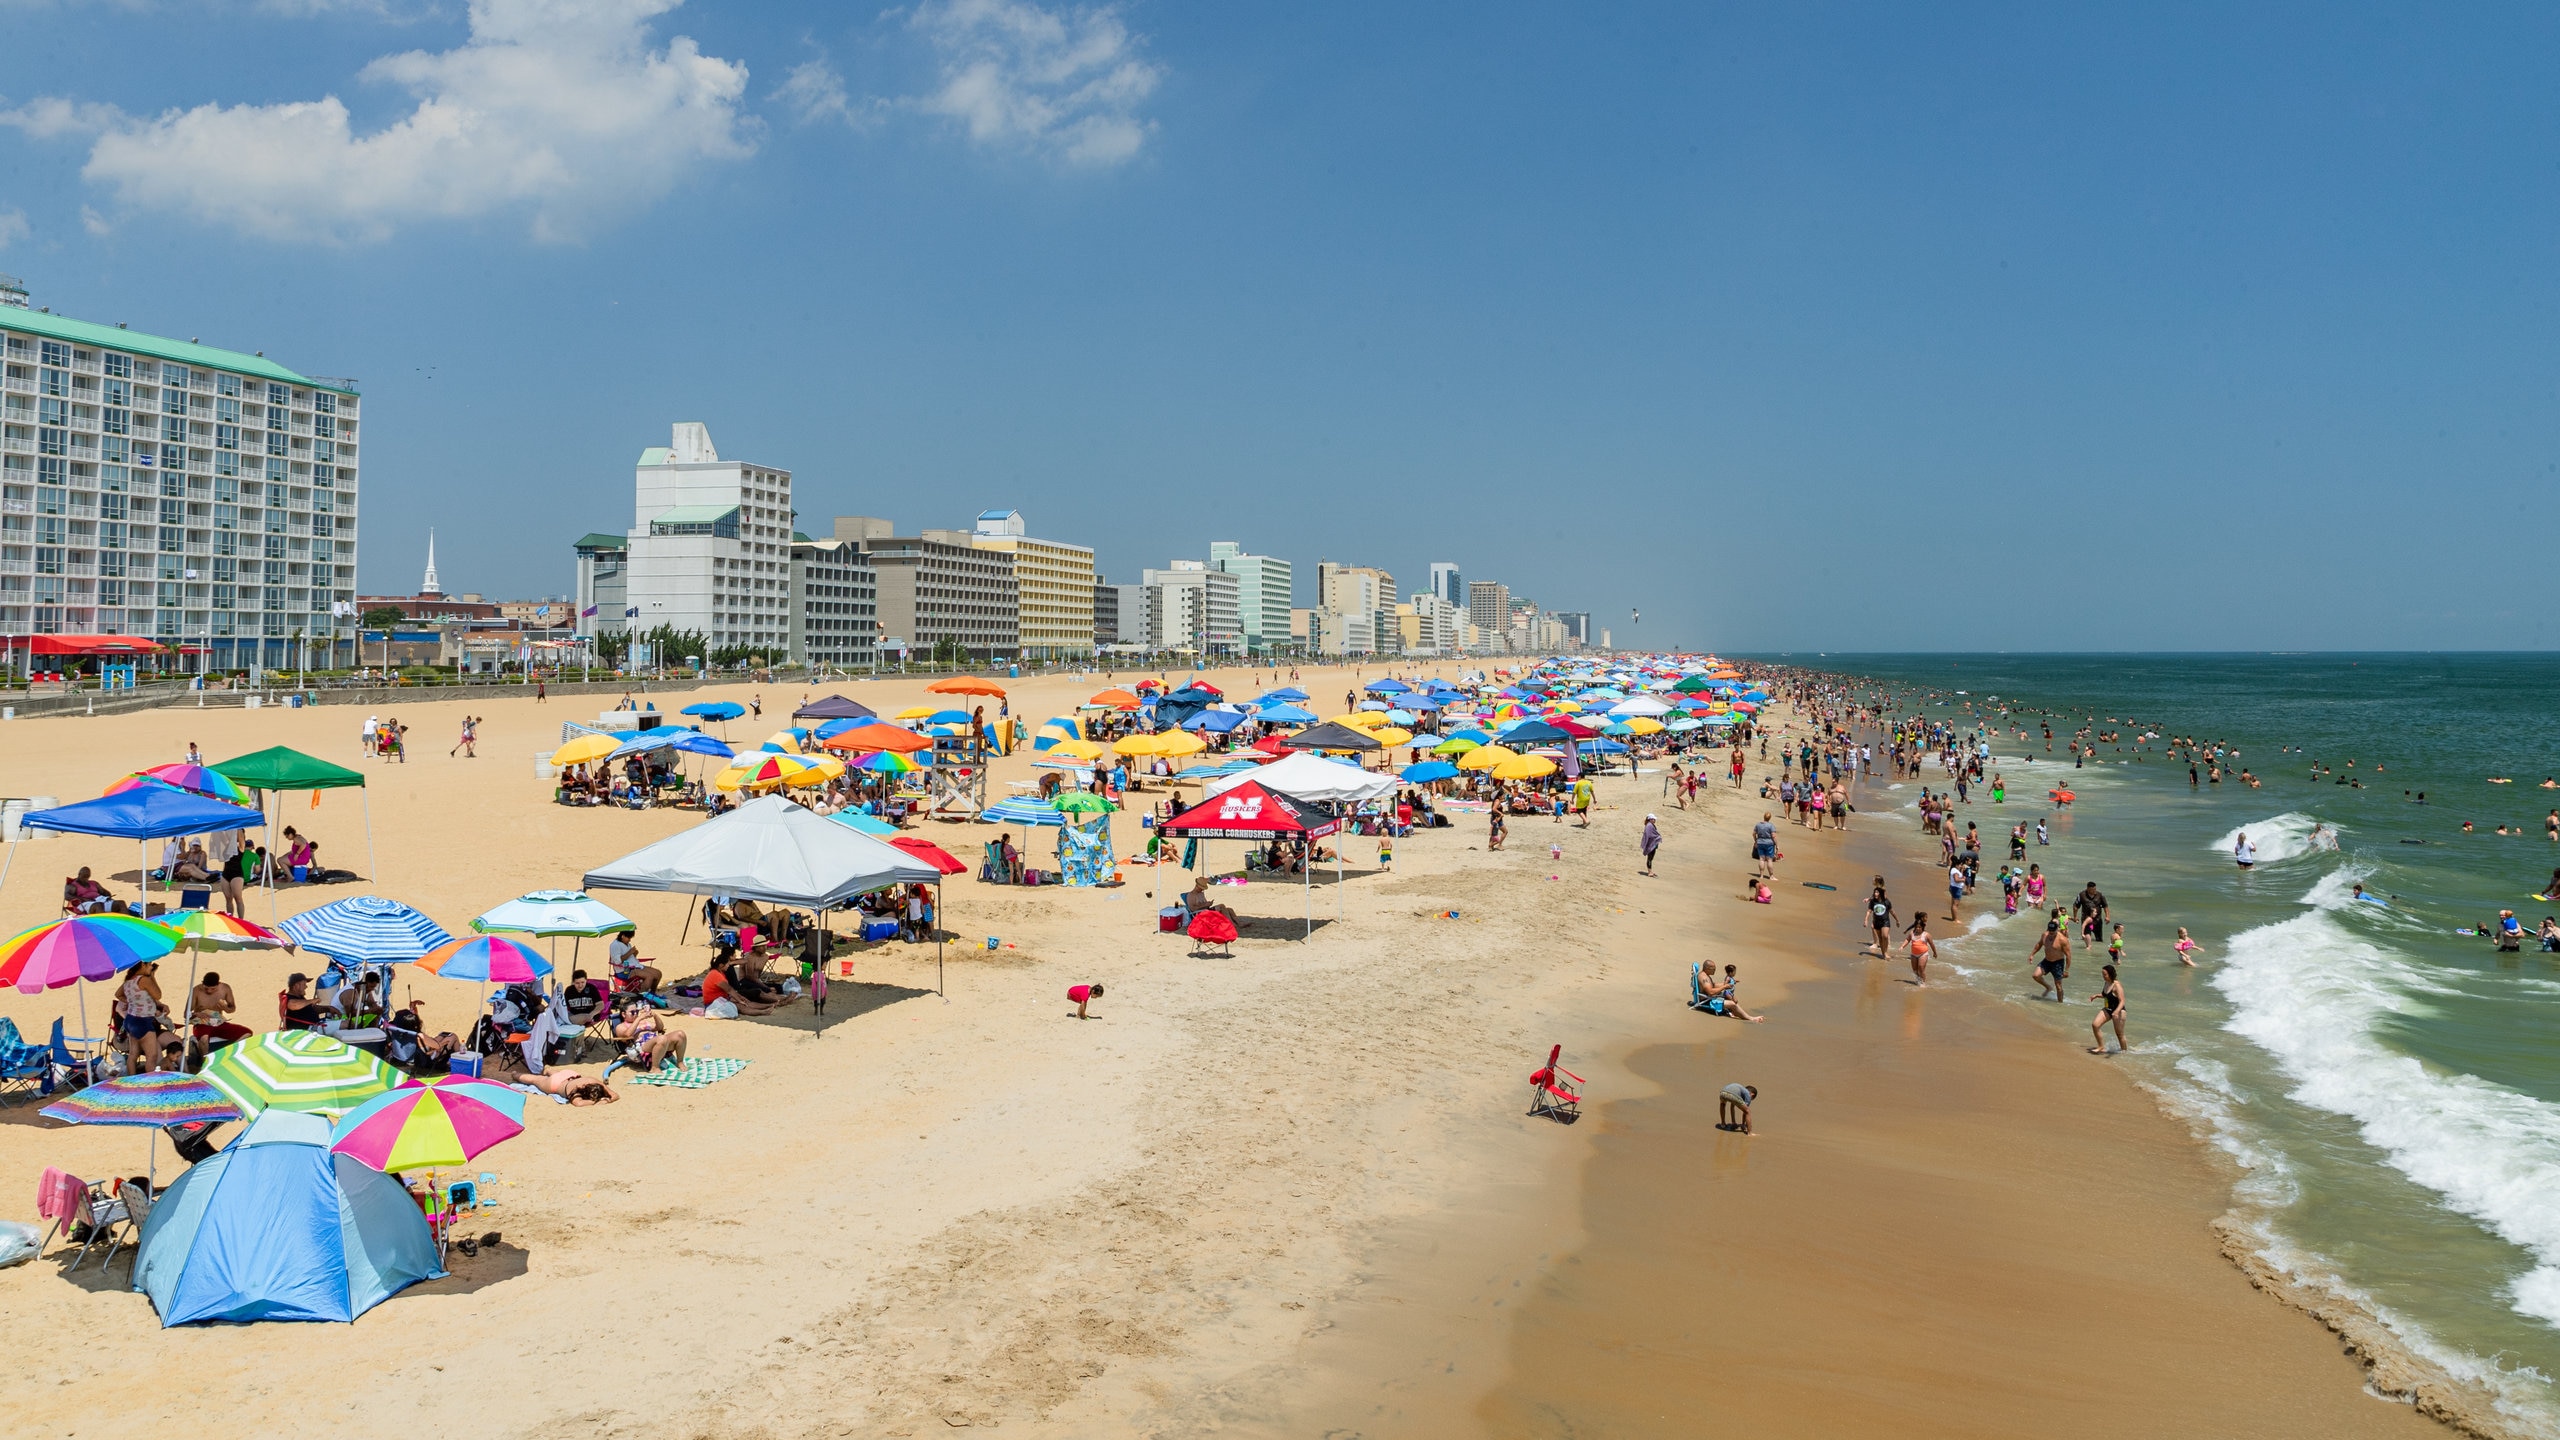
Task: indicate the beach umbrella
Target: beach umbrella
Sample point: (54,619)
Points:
(916,712)
(1139,744)
(194,779)
(873,735)
(1115,699)
(1174,744)
(1641,725)
(1485,757)
(1391,736)
(213,930)
(550,913)
(1524,767)
(885,762)
(489,959)
(83,947)
(648,740)
(1281,712)
(1021,811)
(429,1125)
(366,930)
(1076,750)
(584,749)
(947,717)
(930,853)
(1456,745)
(151,1101)
(867,824)
(1082,802)
(716,710)
(965,685)
(767,771)
(1428,771)
(296,1070)
(784,742)
(694,742)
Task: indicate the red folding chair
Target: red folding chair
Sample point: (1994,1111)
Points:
(1555,1091)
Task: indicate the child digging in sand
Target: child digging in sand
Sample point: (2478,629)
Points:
(1083,995)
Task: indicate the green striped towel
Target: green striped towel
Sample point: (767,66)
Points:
(693,1074)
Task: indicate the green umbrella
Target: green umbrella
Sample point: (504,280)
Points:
(1078,802)
(296,1070)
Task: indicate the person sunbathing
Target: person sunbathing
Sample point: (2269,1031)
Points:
(575,1086)
(192,865)
(439,1047)
(80,893)
(647,1046)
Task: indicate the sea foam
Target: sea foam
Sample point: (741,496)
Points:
(2308,991)
(2280,838)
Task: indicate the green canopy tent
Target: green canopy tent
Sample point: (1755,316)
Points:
(282,768)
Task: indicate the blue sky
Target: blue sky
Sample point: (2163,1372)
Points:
(1849,328)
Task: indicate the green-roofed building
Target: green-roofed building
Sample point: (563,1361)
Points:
(709,548)
(198,496)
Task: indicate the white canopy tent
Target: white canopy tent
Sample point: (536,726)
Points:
(1306,775)
(772,851)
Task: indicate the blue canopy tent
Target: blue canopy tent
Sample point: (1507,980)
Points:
(1281,712)
(147,812)
(1386,687)
(274,1227)
(834,707)
(1217,722)
(1286,695)
(1181,705)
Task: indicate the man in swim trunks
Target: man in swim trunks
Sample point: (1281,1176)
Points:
(2052,954)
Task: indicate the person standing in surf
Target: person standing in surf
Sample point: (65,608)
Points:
(2243,852)
(2110,1011)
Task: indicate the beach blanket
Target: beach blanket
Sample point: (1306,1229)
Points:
(693,1074)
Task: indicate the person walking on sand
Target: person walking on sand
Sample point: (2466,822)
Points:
(1880,919)
(467,745)
(1764,847)
(1923,949)
(1652,842)
(2110,1011)
(1733,1107)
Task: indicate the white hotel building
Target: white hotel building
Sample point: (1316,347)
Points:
(168,489)
(710,549)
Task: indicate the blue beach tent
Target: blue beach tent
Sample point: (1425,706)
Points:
(274,1227)
(150,811)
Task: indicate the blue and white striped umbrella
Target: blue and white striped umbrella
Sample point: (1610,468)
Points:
(1023,812)
(366,930)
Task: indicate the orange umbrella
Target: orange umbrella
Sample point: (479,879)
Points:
(1116,699)
(876,736)
(966,685)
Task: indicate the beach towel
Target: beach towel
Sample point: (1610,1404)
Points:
(62,1196)
(693,1074)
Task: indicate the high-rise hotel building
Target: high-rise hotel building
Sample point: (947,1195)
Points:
(162,488)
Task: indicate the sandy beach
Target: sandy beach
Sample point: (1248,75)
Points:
(1286,1193)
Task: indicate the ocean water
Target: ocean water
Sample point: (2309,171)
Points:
(2388,1088)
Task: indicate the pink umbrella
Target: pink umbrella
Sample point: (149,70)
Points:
(429,1125)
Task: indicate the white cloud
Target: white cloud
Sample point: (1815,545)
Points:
(557,109)
(1066,83)
(13,227)
(814,91)
(93,222)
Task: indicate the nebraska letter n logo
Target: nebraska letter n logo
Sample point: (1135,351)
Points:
(1247,807)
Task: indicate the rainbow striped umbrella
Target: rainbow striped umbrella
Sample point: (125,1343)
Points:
(761,772)
(490,959)
(887,762)
(83,947)
(163,1097)
(296,1070)
(213,930)
(194,779)
(429,1125)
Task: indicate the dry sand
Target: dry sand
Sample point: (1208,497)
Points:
(1283,1193)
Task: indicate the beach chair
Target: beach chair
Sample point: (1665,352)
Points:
(24,1068)
(135,1201)
(76,1069)
(1697,988)
(1555,1091)
(106,1215)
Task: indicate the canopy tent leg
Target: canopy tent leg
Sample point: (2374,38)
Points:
(370,863)
(940,930)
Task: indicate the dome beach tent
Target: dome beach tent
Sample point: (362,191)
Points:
(1248,812)
(274,1227)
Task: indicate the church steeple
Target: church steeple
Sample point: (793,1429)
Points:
(429,586)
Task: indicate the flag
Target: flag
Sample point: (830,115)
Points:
(631,613)
(589,612)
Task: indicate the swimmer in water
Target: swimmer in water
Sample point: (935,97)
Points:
(2186,948)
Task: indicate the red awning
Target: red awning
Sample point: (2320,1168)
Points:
(83,644)
(1249,812)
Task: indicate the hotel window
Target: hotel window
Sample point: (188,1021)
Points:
(52,442)
(118,392)
(173,431)
(229,385)
(225,463)
(111,532)
(53,412)
(53,382)
(226,570)
(119,364)
(279,395)
(115,479)
(175,375)
(173,486)
(325,404)
(116,422)
(226,437)
(323,425)
(50,501)
(275,442)
(226,517)
(227,410)
(48,562)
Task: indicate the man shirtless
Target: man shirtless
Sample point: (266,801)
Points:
(2052,954)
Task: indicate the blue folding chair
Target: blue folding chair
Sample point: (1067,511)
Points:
(77,1070)
(24,1068)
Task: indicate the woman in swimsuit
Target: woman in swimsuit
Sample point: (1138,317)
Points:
(1923,949)
(2110,1010)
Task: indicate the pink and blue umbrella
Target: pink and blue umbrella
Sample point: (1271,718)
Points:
(489,959)
(161,1098)
(194,779)
(429,1125)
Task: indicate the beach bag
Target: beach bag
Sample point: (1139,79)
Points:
(18,1243)
(722,1009)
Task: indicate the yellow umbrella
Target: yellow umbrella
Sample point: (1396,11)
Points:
(918,712)
(1178,743)
(1521,767)
(782,742)
(767,771)
(1485,757)
(1138,744)
(1569,707)
(1391,736)
(584,749)
(1076,750)
(1362,719)
(1645,725)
